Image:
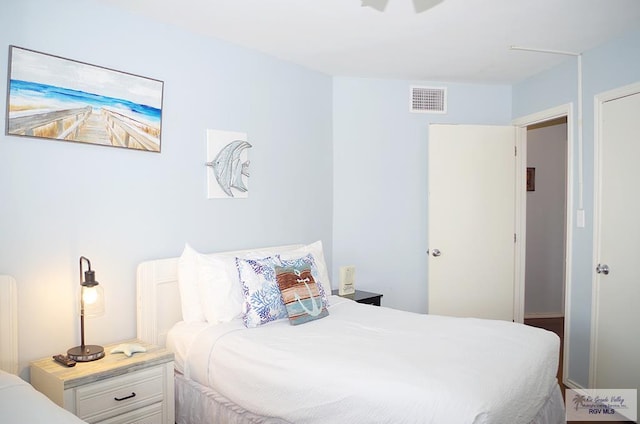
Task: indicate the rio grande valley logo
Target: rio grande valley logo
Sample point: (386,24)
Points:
(601,405)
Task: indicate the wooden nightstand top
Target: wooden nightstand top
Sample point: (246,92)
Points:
(113,364)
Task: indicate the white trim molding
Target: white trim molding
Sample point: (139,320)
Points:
(8,324)
(521,217)
(541,315)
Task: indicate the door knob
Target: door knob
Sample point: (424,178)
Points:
(436,252)
(602,269)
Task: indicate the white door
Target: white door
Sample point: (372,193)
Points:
(617,312)
(471,221)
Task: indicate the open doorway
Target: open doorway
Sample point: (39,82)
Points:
(546,221)
(559,119)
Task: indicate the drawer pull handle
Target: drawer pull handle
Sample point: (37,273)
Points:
(133,394)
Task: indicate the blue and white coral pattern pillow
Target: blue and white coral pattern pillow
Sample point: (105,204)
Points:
(262,299)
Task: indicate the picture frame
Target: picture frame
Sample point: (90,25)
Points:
(56,98)
(531,179)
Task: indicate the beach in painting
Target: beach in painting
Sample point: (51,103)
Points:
(101,107)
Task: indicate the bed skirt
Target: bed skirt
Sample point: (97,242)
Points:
(197,404)
(553,411)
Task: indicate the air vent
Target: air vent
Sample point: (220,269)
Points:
(428,99)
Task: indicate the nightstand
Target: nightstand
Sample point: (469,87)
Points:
(362,296)
(115,389)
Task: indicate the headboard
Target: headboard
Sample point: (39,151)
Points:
(158,295)
(8,324)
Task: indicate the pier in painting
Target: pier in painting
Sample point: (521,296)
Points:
(102,126)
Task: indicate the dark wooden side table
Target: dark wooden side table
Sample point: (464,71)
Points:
(362,296)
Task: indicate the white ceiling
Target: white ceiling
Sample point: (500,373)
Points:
(455,41)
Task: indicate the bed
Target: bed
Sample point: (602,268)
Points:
(355,364)
(19,402)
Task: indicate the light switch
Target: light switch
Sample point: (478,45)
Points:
(580,219)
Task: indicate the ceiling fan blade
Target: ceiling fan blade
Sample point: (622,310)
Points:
(375,4)
(423,5)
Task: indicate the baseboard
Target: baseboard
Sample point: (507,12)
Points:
(534,315)
(570,384)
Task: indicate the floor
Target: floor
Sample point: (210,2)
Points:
(557,326)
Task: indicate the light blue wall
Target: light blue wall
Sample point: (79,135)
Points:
(60,200)
(340,160)
(380,179)
(610,66)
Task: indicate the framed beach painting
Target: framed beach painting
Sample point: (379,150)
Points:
(54,98)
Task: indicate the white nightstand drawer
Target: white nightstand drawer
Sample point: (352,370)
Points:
(98,401)
(151,414)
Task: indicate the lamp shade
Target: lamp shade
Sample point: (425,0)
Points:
(93,299)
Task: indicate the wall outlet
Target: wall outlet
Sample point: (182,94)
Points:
(347,280)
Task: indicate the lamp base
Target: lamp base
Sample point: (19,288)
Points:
(86,353)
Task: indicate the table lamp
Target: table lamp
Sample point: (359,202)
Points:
(91,304)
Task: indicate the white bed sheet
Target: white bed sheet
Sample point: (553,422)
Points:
(366,364)
(180,338)
(20,403)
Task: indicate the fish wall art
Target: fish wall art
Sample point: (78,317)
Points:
(227,164)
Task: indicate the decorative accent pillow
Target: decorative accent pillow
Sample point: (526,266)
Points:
(309,262)
(300,293)
(262,299)
(316,250)
(188,285)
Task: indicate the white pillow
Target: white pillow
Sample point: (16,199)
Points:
(210,288)
(318,255)
(188,285)
(219,288)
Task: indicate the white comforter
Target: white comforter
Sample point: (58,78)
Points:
(365,364)
(20,403)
